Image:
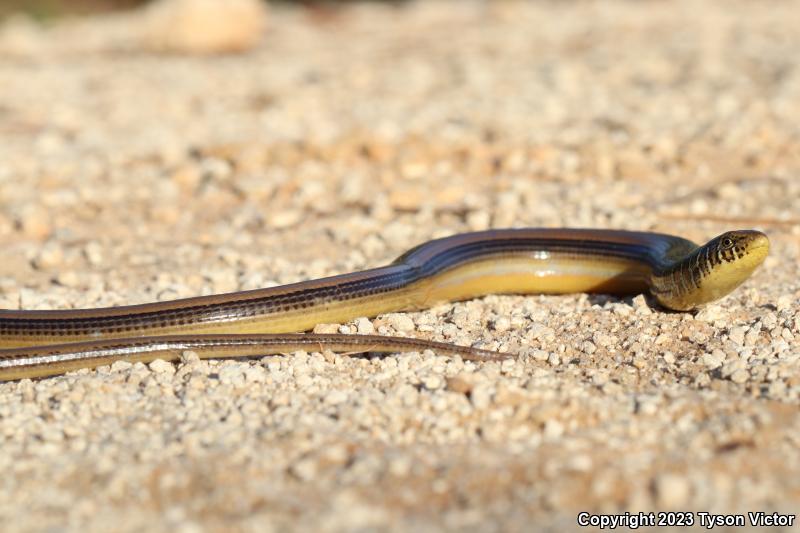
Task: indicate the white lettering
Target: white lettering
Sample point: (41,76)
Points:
(761,519)
(710,520)
(614,521)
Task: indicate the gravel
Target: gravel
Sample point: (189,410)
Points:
(338,141)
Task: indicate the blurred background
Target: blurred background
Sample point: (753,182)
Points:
(183,147)
(51,8)
(48,9)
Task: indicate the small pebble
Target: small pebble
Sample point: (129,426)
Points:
(462,384)
(501,324)
(68,278)
(740,376)
(364,326)
(433,382)
(232,374)
(737,335)
(159,366)
(326,328)
(121,366)
(50,256)
(714,359)
(400,322)
(481,396)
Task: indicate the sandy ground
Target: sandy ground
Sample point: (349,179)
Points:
(342,140)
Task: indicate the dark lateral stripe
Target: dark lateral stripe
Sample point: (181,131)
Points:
(427,260)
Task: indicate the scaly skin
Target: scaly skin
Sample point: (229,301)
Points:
(678,273)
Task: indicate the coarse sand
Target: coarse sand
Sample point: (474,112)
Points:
(342,139)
